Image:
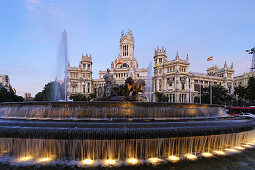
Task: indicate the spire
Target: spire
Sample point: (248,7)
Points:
(225,65)
(232,66)
(177,56)
(187,58)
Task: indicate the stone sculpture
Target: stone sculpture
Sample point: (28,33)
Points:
(124,92)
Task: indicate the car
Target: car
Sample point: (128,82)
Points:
(247,115)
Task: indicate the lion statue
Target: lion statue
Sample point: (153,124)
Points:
(126,88)
(138,86)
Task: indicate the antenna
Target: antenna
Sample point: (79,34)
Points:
(252,51)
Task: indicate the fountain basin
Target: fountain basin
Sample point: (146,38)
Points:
(119,131)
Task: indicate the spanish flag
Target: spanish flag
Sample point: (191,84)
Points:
(210,58)
(120,62)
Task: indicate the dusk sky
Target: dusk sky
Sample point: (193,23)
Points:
(30,34)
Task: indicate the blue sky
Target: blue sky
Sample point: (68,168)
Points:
(30,33)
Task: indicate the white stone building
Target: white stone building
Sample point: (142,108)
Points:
(80,78)
(174,79)
(171,77)
(243,80)
(125,65)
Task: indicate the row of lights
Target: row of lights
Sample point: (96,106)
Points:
(152,160)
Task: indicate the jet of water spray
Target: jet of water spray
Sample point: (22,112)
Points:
(59,92)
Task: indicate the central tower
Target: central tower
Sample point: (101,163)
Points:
(127,45)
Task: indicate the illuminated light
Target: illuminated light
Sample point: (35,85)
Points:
(4,151)
(47,159)
(247,146)
(240,148)
(154,160)
(191,157)
(25,158)
(130,120)
(132,161)
(207,154)
(219,152)
(173,158)
(250,143)
(110,162)
(87,161)
(231,150)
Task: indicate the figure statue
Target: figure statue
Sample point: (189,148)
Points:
(125,92)
(109,80)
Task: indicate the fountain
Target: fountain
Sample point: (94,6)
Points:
(120,133)
(121,130)
(62,67)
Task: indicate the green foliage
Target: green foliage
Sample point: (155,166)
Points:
(48,92)
(161,97)
(251,90)
(240,96)
(220,95)
(82,97)
(10,96)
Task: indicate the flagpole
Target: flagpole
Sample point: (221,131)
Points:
(211,90)
(211,95)
(210,77)
(200,89)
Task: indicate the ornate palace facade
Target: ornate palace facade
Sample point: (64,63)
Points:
(174,79)
(170,77)
(125,65)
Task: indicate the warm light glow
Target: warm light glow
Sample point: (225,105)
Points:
(4,151)
(173,158)
(154,160)
(207,154)
(88,161)
(240,148)
(191,157)
(47,159)
(247,146)
(250,143)
(219,152)
(231,150)
(110,161)
(132,161)
(25,158)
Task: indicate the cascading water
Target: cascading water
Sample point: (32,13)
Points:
(60,83)
(119,133)
(148,86)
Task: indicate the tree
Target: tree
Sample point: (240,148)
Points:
(240,96)
(251,90)
(52,91)
(161,97)
(220,95)
(78,97)
(9,96)
(82,97)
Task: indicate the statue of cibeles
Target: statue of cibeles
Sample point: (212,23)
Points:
(108,77)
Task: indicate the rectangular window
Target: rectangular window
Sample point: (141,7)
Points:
(83,88)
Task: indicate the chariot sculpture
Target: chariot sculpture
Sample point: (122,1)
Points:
(111,89)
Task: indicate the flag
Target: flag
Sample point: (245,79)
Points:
(210,58)
(120,62)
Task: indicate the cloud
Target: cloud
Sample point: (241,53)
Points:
(30,8)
